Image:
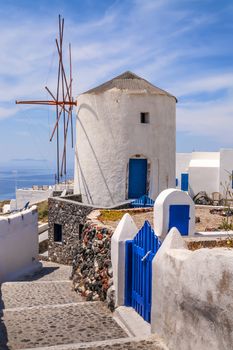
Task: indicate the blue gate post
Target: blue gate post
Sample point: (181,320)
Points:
(138,267)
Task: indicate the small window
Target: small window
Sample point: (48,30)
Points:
(145,118)
(80,231)
(57,233)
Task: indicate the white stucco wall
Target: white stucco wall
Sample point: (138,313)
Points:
(205,170)
(33,196)
(126,230)
(166,198)
(18,243)
(192,296)
(204,173)
(182,165)
(6,208)
(109,133)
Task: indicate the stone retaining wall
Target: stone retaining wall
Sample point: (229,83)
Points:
(92,268)
(71,216)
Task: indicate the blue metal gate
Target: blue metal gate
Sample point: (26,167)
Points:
(143,201)
(179,218)
(137,178)
(138,282)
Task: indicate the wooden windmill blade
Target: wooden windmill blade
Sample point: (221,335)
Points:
(71,98)
(63,101)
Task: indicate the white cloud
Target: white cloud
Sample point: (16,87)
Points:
(208,83)
(6,112)
(214,119)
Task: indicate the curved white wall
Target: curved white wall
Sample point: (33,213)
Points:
(192,295)
(19,245)
(162,204)
(109,133)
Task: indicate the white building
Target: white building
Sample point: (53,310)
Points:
(19,246)
(205,171)
(126,140)
(37,194)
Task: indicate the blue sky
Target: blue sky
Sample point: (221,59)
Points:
(185,47)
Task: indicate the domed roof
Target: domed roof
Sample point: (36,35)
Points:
(130,82)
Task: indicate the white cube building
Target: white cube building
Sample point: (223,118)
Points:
(205,171)
(126,141)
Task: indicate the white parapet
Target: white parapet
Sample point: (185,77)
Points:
(32,196)
(126,230)
(192,294)
(165,218)
(18,243)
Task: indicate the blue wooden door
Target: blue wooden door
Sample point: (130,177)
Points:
(137,178)
(179,218)
(185,182)
(138,282)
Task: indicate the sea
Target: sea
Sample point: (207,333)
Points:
(12,178)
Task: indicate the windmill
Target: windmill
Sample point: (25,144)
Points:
(64,103)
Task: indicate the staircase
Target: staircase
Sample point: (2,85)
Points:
(42,312)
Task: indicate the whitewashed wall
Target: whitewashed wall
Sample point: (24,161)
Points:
(162,204)
(126,230)
(192,296)
(109,133)
(18,243)
(207,170)
(182,165)
(204,172)
(33,196)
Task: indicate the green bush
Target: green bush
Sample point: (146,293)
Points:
(43,211)
(225,225)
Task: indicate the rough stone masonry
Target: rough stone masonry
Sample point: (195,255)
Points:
(92,268)
(70,216)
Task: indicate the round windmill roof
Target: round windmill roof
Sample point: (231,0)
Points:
(131,82)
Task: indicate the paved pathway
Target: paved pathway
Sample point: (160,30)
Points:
(42,312)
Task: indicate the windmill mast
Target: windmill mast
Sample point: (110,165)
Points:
(63,101)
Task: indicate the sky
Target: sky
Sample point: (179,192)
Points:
(182,46)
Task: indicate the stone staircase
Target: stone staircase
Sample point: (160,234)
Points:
(42,312)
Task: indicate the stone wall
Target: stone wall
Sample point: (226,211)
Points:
(71,216)
(92,268)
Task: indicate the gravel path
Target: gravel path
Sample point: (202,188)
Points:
(63,324)
(50,272)
(41,311)
(28,294)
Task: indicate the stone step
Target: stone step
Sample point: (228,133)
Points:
(43,236)
(50,272)
(27,294)
(42,326)
(148,343)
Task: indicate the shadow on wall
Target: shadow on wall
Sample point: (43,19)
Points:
(86,106)
(85,185)
(97,161)
(3,330)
